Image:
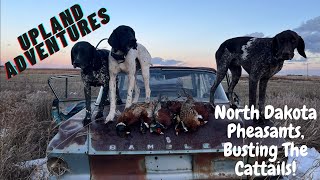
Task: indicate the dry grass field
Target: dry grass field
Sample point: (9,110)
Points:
(293,92)
(26,125)
(25,121)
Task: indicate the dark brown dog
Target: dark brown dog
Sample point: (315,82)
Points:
(94,72)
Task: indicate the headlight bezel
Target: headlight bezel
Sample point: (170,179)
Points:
(57,166)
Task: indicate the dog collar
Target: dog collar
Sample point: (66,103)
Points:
(119,58)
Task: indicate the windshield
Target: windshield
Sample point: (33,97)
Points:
(172,83)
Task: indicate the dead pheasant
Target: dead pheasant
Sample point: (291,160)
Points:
(203,109)
(139,112)
(163,118)
(150,115)
(189,118)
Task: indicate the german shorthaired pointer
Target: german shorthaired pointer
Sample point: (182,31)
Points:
(261,58)
(94,72)
(126,55)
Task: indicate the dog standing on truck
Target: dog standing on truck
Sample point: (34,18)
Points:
(94,72)
(126,55)
(261,58)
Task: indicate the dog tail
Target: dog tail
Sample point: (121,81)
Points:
(100,42)
(223,49)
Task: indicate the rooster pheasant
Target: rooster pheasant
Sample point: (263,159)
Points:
(189,118)
(140,112)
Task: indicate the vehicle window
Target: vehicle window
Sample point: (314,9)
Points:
(70,87)
(172,83)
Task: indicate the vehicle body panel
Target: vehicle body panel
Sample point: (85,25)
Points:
(208,138)
(96,152)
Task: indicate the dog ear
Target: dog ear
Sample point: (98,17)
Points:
(274,46)
(134,34)
(301,47)
(114,40)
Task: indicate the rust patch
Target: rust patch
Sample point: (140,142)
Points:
(70,132)
(118,167)
(203,166)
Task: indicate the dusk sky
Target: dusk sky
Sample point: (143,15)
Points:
(176,32)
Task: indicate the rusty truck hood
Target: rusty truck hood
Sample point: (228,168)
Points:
(193,155)
(208,138)
(101,138)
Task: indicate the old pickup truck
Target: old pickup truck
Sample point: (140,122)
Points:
(96,152)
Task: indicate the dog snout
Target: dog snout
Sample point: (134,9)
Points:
(76,64)
(287,55)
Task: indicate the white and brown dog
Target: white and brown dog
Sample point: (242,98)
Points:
(126,55)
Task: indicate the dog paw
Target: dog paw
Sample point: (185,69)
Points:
(127,105)
(86,122)
(99,115)
(147,100)
(233,106)
(109,119)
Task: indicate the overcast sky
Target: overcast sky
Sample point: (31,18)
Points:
(176,32)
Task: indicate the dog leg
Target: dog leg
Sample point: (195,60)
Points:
(130,64)
(262,96)
(236,74)
(112,89)
(87,94)
(221,73)
(130,89)
(102,103)
(119,101)
(144,58)
(223,63)
(253,83)
(136,92)
(146,75)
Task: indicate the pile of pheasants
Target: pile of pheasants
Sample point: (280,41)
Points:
(157,116)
